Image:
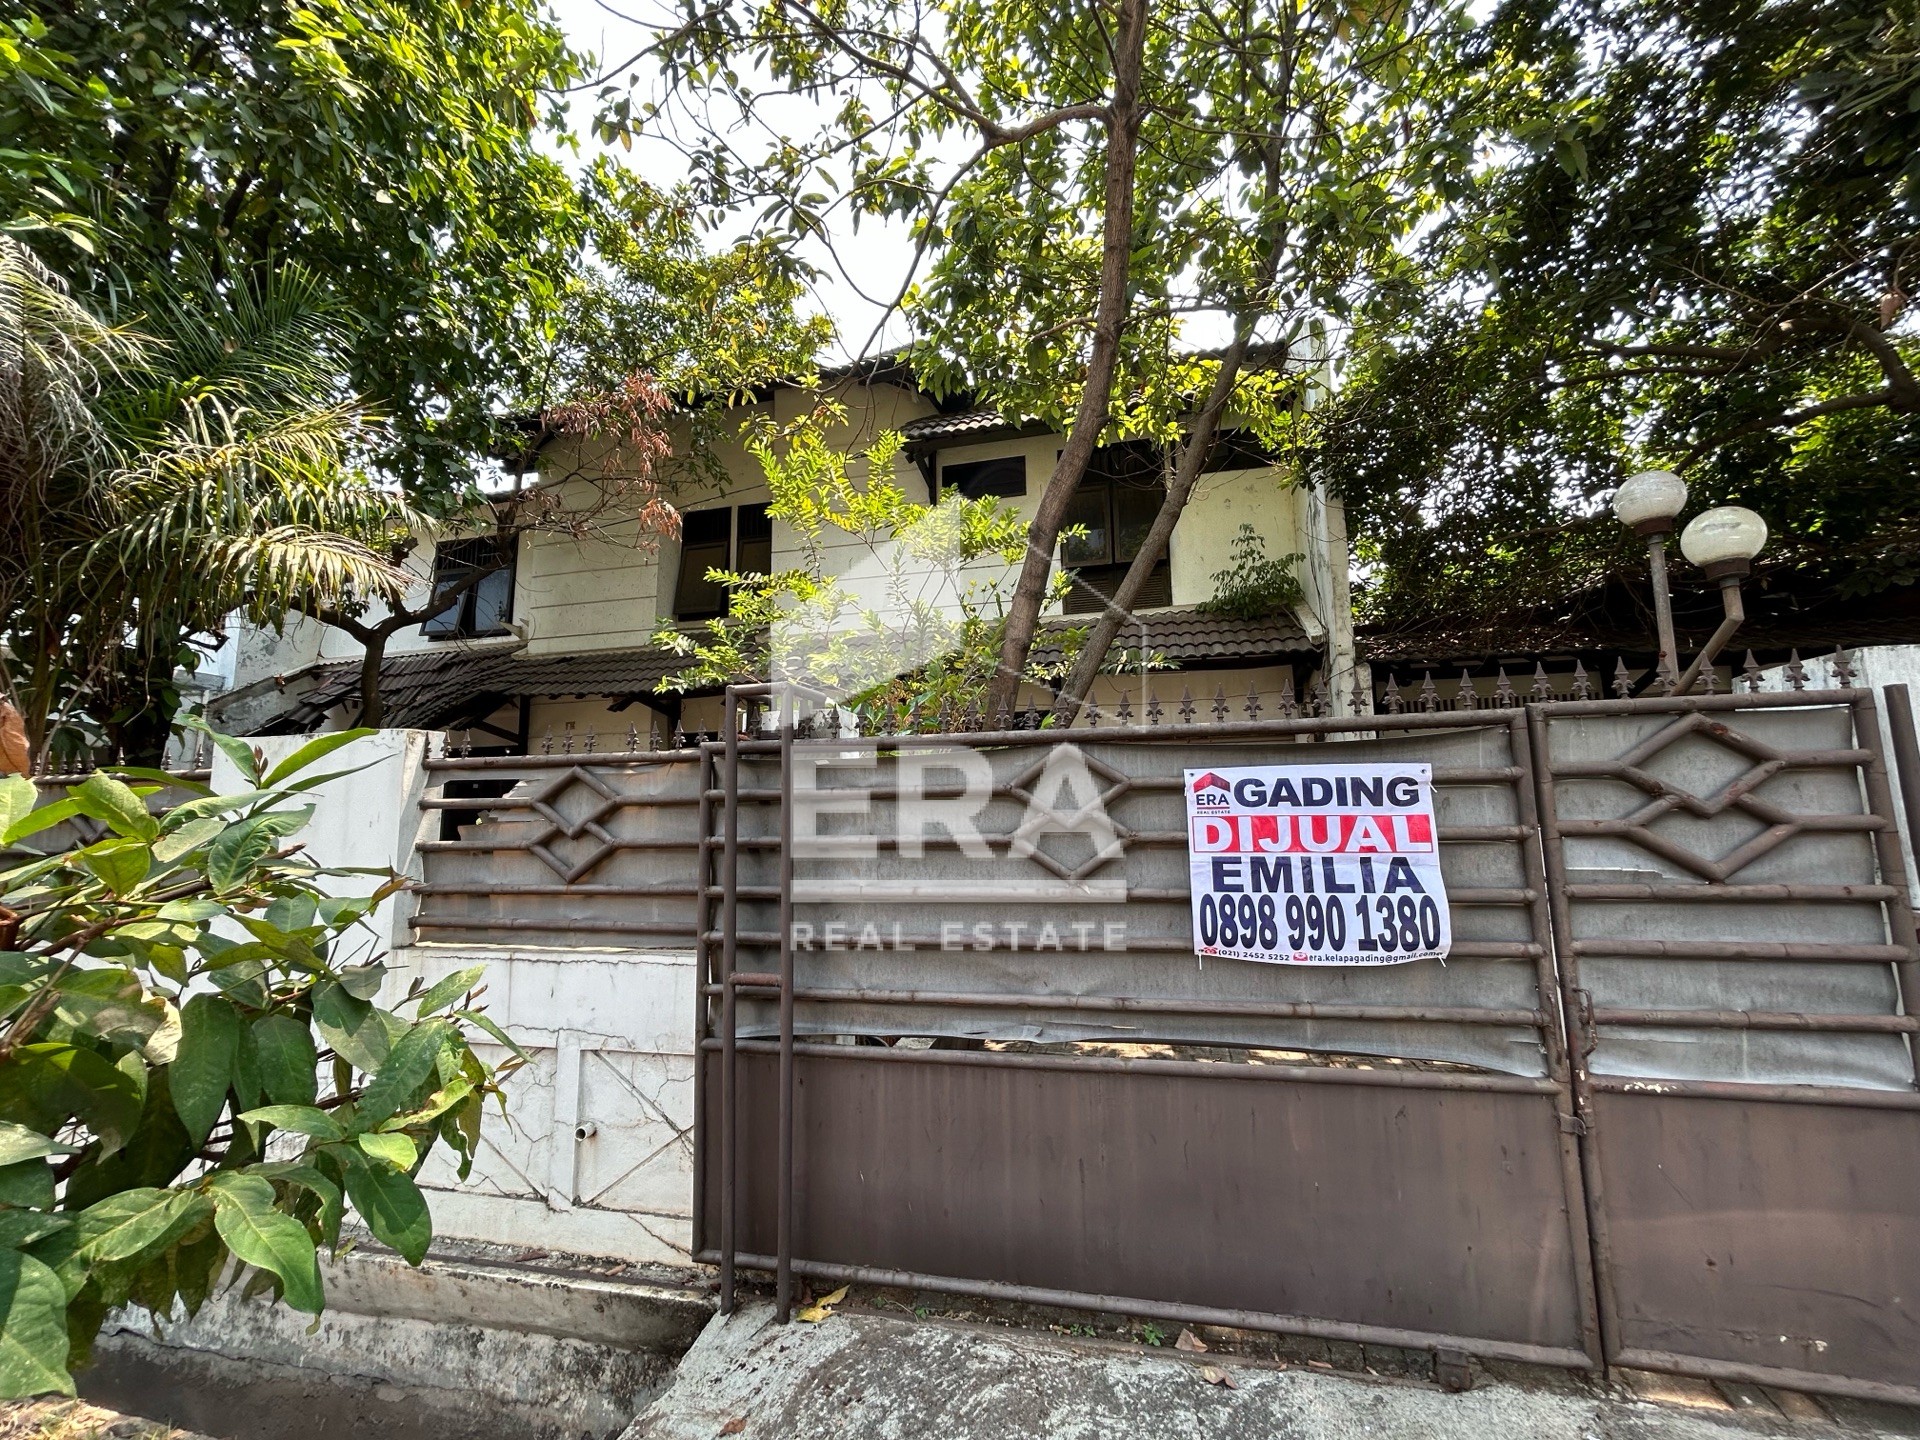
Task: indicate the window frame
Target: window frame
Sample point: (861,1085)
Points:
(734,557)
(965,477)
(465,611)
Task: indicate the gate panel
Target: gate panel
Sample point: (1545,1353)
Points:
(1293,1202)
(1736,947)
(1384,1154)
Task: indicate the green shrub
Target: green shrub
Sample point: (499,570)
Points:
(1253,587)
(174,998)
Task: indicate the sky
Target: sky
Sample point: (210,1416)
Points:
(874,259)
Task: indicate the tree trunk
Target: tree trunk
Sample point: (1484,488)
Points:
(1110,313)
(373,649)
(1193,456)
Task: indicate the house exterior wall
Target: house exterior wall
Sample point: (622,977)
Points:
(615,591)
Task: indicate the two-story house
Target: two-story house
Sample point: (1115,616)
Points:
(560,643)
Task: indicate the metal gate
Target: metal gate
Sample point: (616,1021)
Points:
(1656,1110)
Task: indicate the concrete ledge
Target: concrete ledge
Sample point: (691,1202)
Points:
(631,1314)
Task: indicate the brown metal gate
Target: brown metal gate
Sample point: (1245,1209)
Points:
(1248,1152)
(1750,1222)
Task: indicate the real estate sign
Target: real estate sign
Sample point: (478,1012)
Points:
(1316,864)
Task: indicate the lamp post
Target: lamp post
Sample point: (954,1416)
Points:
(1649,503)
(1722,542)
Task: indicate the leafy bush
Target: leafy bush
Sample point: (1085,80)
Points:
(193,1071)
(1253,586)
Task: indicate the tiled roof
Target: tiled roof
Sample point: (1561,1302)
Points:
(946,427)
(1188,636)
(431,688)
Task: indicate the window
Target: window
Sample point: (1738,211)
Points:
(1004,478)
(1115,506)
(486,606)
(739,539)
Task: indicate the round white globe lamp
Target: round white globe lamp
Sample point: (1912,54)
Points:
(1648,503)
(1723,541)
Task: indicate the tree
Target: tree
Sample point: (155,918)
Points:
(389,148)
(180,996)
(1698,249)
(1127,166)
(158,480)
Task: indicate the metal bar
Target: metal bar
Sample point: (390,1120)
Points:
(1811,1380)
(1554,1040)
(1462,949)
(559,922)
(1580,1038)
(1738,950)
(1217,1070)
(481,847)
(1249,730)
(1163,839)
(1681,704)
(1129,1005)
(1442,775)
(729,1076)
(939,894)
(1518,1351)
(1906,754)
(1811,824)
(1740,1090)
(526,802)
(690,892)
(1736,616)
(1756,1020)
(1892,861)
(605,760)
(783,1224)
(1790,760)
(1688,894)
(703,974)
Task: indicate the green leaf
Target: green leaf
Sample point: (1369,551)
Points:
(303,1119)
(236,750)
(352,1027)
(134,1222)
(264,1237)
(28,1184)
(289,1063)
(202,1069)
(53,1082)
(156,1154)
(314,749)
(33,1329)
(363,981)
(393,1208)
(18,796)
(449,988)
(171,846)
(107,799)
(232,857)
(120,865)
(396,1149)
(18,1143)
(485,1022)
(20,1228)
(292,912)
(190,911)
(307,1177)
(45,818)
(408,1066)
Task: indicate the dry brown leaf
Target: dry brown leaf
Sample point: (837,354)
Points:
(1214,1375)
(734,1426)
(15,759)
(1190,1341)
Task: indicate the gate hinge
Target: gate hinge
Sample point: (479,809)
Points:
(1452,1371)
(1572,1124)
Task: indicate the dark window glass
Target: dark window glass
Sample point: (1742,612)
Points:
(1089,511)
(1135,508)
(1003,478)
(756,541)
(1239,450)
(1116,503)
(486,606)
(705,537)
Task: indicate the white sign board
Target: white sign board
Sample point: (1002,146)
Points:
(1316,864)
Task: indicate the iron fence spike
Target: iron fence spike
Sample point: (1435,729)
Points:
(1186,705)
(1123,712)
(1153,706)
(546,741)
(1582,688)
(1542,686)
(1220,703)
(1392,697)
(633,737)
(1622,679)
(1843,668)
(1503,695)
(1289,704)
(1093,714)
(1796,672)
(1750,672)
(1252,706)
(592,741)
(1429,693)
(1467,697)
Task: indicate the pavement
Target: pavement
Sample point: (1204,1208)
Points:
(861,1374)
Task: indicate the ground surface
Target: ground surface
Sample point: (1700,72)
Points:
(864,1375)
(77,1420)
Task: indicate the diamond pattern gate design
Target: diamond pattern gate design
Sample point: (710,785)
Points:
(1737,951)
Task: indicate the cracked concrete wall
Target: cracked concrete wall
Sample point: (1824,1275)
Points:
(595,1152)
